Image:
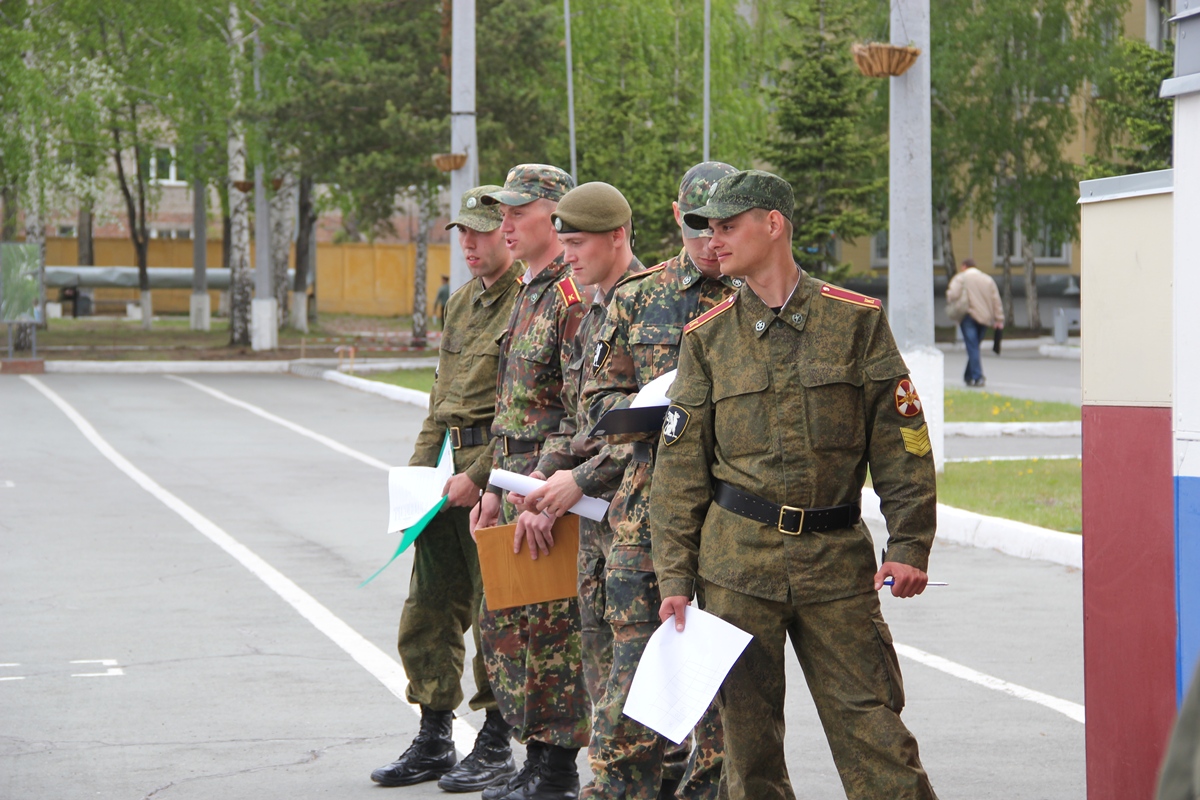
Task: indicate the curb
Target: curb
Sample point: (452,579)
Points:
(990,429)
(994,533)
(1061,351)
(397,393)
(162,367)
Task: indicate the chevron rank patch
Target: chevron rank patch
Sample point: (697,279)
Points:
(600,354)
(675,422)
(907,402)
(916,440)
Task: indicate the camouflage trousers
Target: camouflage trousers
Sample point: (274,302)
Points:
(595,540)
(628,759)
(846,652)
(444,598)
(535,662)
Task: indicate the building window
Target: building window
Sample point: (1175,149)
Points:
(66,231)
(1048,248)
(165,169)
(879,249)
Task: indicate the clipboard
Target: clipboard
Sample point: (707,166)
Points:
(516,579)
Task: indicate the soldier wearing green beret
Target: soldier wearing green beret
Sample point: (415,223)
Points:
(639,342)
(786,394)
(446,590)
(595,228)
(533,652)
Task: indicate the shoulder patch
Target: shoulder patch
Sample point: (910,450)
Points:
(847,296)
(569,291)
(711,314)
(633,276)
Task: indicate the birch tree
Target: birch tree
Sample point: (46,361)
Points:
(241,289)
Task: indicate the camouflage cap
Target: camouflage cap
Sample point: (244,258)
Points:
(743,191)
(595,207)
(695,188)
(527,182)
(474,214)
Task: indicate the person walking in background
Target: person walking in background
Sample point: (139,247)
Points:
(443,295)
(977,299)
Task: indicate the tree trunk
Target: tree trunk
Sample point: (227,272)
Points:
(307,220)
(226,239)
(35,234)
(283,226)
(86,252)
(949,262)
(425,217)
(241,289)
(1006,290)
(1031,296)
(8,224)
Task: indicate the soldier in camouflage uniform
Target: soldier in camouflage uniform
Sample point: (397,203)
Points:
(786,394)
(594,224)
(639,342)
(446,591)
(533,652)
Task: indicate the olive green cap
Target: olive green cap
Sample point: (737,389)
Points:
(474,214)
(696,186)
(527,182)
(743,191)
(595,207)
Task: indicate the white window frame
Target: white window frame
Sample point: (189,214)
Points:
(878,261)
(172,171)
(1063,259)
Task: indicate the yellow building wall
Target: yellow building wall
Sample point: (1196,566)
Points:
(373,279)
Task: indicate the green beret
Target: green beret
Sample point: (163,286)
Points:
(474,214)
(594,207)
(743,191)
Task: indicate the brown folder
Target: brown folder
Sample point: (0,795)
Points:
(516,579)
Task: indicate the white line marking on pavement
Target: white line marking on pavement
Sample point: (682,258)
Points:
(111,663)
(300,429)
(1072,710)
(12,677)
(385,669)
(979,459)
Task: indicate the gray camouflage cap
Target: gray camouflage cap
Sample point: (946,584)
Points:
(527,182)
(743,191)
(474,214)
(696,186)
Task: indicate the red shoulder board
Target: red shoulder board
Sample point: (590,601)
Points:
(846,296)
(569,291)
(633,276)
(712,313)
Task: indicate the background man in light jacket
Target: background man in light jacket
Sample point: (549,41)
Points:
(983,310)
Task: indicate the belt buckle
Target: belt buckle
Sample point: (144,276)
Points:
(455,437)
(779,524)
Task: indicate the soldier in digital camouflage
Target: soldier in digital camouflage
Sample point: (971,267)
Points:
(533,652)
(446,590)
(640,341)
(786,394)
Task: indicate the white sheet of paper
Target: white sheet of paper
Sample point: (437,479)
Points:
(654,393)
(591,507)
(680,673)
(412,491)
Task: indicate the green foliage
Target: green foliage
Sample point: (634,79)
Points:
(1135,125)
(824,144)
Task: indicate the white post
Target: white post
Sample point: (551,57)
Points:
(462,122)
(910,220)
(264,323)
(707,76)
(570,87)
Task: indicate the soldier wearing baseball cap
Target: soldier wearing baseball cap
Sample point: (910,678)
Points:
(799,387)
(475,214)
(694,190)
(528,182)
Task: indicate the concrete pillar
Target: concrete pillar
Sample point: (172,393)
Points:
(462,123)
(910,219)
(200,311)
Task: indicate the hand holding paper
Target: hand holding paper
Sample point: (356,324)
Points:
(591,507)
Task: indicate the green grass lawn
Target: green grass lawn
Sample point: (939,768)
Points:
(1040,492)
(420,379)
(967,406)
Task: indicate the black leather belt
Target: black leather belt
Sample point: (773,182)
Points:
(643,453)
(517,446)
(477,436)
(787,519)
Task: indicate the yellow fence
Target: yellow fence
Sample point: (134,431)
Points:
(373,279)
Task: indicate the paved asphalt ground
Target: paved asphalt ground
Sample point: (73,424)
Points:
(200,633)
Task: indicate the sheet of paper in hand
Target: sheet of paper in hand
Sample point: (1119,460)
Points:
(679,673)
(643,415)
(594,508)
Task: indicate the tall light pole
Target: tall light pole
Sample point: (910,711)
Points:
(910,217)
(264,322)
(570,88)
(707,76)
(462,122)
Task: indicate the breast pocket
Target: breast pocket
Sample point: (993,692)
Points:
(833,405)
(741,411)
(655,349)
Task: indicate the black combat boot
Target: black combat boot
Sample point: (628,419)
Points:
(556,779)
(535,752)
(489,762)
(430,756)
